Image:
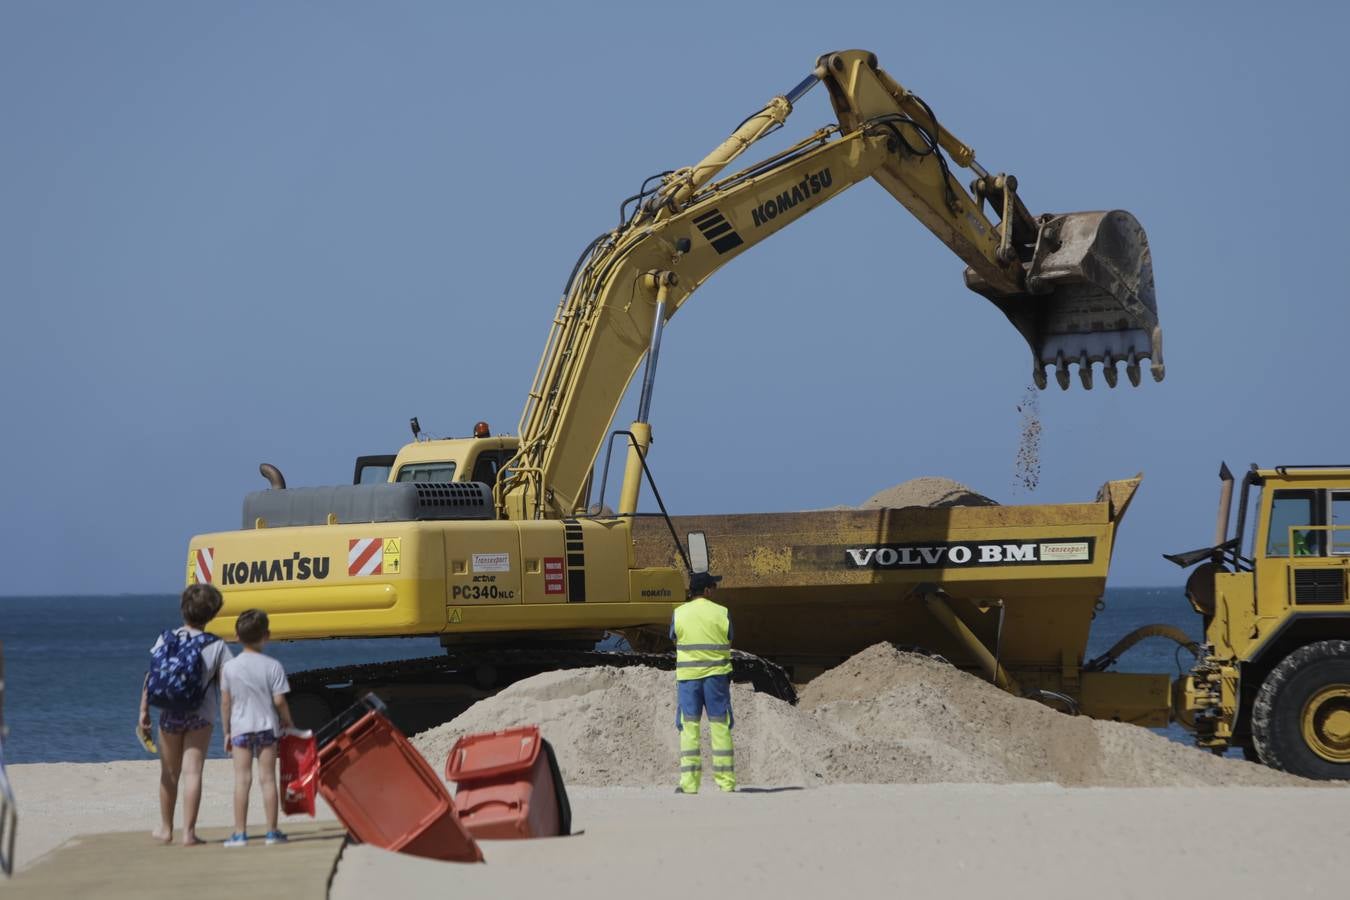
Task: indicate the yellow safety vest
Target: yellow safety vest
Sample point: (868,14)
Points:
(702,642)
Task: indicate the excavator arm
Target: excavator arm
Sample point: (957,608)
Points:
(1078,286)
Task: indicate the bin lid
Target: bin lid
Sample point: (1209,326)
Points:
(493,753)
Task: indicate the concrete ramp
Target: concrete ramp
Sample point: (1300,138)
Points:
(129,864)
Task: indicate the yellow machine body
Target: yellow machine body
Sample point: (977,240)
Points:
(1274,675)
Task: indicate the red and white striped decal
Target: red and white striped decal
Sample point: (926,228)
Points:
(365,556)
(204,566)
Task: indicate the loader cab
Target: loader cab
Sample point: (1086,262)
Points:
(1302,539)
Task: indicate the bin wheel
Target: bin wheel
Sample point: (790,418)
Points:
(1301,718)
(309,709)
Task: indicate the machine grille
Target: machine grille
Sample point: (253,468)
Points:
(1319,585)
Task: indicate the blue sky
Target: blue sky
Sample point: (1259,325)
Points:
(275,231)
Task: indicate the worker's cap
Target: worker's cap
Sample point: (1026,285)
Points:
(701,581)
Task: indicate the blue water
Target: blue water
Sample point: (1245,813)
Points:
(73,665)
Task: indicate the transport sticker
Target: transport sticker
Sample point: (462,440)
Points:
(202,566)
(492,562)
(553,575)
(365,556)
(1065,551)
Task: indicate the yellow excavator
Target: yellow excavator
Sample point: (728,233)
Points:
(493,543)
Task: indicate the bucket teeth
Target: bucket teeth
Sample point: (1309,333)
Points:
(1062,372)
(1089,298)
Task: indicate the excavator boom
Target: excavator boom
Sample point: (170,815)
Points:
(1077,286)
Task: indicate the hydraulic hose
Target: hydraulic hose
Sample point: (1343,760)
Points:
(1120,647)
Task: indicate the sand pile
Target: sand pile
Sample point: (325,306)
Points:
(929,491)
(884,716)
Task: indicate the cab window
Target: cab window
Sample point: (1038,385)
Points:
(489,463)
(1340,520)
(439,472)
(1290,509)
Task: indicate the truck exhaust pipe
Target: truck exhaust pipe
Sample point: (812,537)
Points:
(1225,504)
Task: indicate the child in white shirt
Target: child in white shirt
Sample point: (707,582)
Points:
(253,709)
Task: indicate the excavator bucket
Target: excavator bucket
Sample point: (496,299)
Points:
(1089,299)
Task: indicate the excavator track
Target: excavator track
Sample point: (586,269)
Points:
(464,664)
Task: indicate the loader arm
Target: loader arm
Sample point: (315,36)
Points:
(631,281)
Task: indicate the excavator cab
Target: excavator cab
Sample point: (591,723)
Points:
(1089,298)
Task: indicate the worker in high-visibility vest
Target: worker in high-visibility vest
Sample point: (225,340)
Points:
(701,630)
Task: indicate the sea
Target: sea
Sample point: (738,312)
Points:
(73,666)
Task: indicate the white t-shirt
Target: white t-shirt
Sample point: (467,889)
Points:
(214,657)
(251,679)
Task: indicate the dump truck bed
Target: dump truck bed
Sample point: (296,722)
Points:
(810,589)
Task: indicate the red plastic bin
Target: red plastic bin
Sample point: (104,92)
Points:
(509,785)
(385,793)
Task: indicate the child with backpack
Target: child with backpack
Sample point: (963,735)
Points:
(253,709)
(185,665)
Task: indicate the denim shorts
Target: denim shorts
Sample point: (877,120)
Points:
(253,740)
(171,722)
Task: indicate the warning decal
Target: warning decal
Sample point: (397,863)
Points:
(456,615)
(393,555)
(203,566)
(553,575)
(365,556)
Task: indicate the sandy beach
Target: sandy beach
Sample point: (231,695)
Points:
(1018,840)
(1004,841)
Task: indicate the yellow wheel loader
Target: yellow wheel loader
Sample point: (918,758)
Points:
(1273,676)
(493,543)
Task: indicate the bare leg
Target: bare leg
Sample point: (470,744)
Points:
(170,766)
(243,780)
(267,777)
(195,743)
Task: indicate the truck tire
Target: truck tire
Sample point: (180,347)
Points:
(1301,717)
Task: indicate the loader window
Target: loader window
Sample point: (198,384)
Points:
(1290,509)
(1340,522)
(438,472)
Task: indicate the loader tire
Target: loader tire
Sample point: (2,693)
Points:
(1301,717)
